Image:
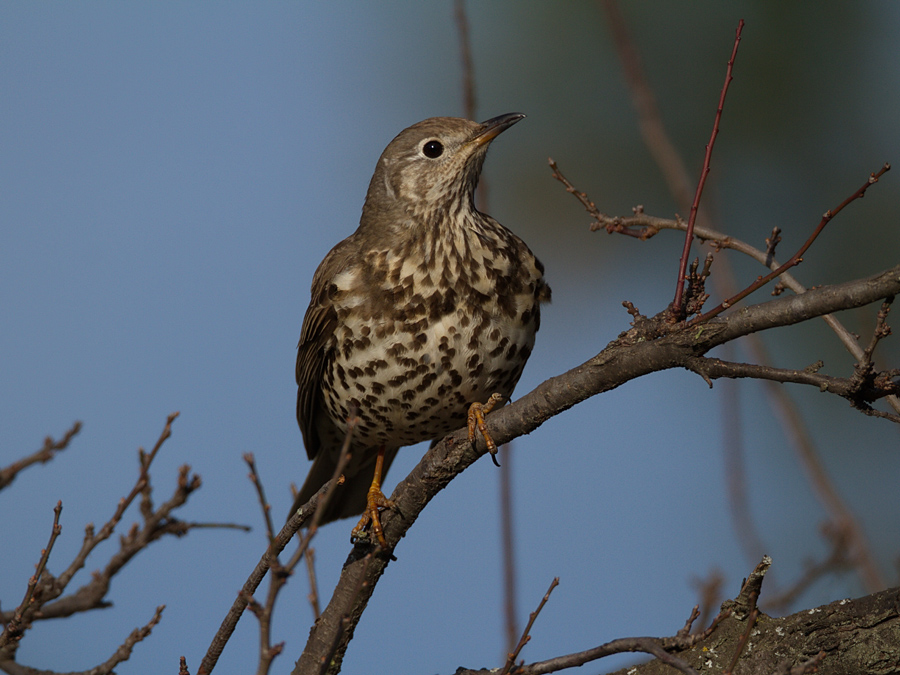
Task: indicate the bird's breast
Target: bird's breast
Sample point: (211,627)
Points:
(417,342)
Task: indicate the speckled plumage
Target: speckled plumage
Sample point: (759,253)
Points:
(428,307)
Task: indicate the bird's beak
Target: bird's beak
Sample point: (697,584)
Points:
(494,127)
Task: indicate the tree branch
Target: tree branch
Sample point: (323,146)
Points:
(650,346)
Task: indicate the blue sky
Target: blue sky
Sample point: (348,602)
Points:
(174,173)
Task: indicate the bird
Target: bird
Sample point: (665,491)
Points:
(419,322)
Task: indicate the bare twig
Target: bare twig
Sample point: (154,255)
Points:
(312,509)
(859,394)
(646,645)
(514,654)
(643,226)
(310,557)
(795,259)
(710,590)
(277,580)
(260,493)
(677,307)
(157,524)
(24,613)
(771,242)
(123,653)
(281,540)
(45,454)
(882,330)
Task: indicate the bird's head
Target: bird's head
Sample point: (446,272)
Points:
(432,167)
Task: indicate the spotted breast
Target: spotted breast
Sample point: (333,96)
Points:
(428,307)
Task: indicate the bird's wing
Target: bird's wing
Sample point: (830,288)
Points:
(312,357)
(317,343)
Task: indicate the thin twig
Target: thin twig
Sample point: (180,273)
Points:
(260,494)
(704,172)
(21,621)
(882,330)
(795,259)
(846,387)
(310,557)
(675,174)
(646,645)
(643,226)
(312,509)
(513,655)
(123,653)
(157,524)
(45,454)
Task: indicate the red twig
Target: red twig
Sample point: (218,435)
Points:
(677,304)
(797,258)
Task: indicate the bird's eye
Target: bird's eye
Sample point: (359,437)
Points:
(433,149)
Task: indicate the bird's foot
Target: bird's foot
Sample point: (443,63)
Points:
(375,501)
(475,419)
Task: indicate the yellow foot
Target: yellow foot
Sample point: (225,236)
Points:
(475,418)
(375,501)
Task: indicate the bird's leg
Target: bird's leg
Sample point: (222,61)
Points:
(475,418)
(375,501)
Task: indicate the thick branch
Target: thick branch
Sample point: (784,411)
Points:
(649,347)
(847,636)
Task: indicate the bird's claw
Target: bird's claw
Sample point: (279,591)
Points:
(375,502)
(475,419)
